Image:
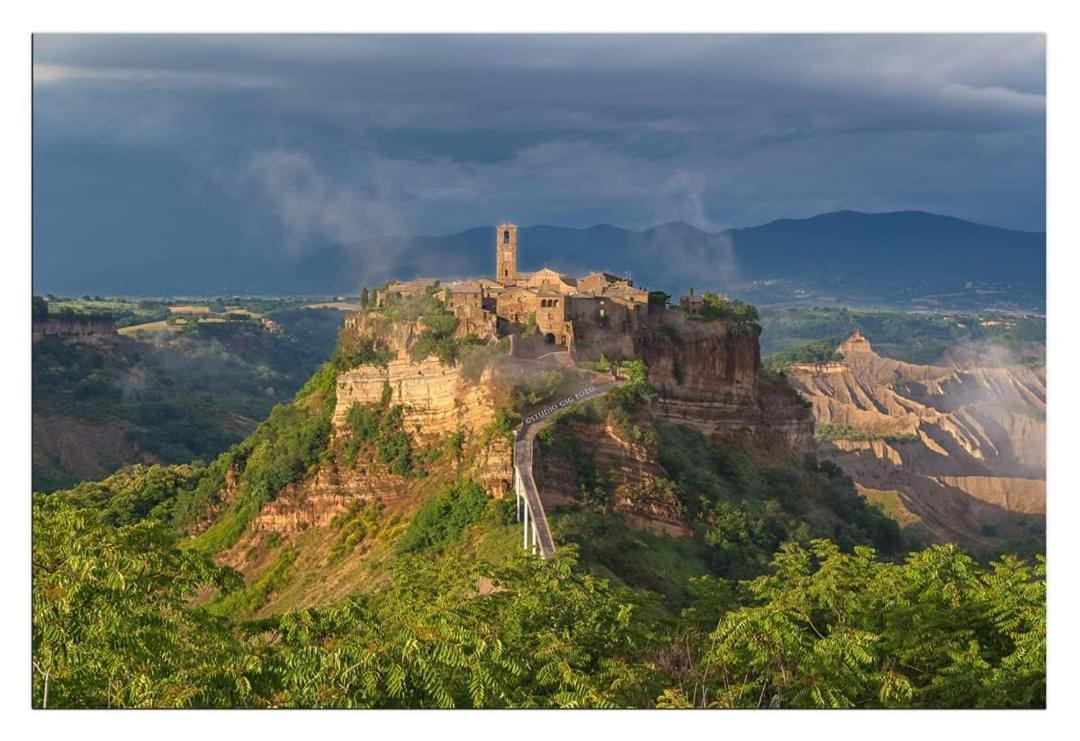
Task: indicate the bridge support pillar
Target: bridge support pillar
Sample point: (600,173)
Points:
(517,498)
(525,528)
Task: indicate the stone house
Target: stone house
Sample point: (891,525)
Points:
(406,288)
(547,279)
(691,304)
(551,316)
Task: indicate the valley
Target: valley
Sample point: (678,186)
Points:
(155,392)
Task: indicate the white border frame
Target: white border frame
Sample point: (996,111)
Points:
(553,16)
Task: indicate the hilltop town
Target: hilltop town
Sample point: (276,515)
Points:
(581,315)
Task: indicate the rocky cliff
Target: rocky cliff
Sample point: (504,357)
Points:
(435,398)
(961,451)
(85,330)
(708,374)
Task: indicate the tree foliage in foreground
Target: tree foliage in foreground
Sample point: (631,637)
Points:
(114,625)
(540,635)
(111,625)
(832,629)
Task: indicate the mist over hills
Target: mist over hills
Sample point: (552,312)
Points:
(849,254)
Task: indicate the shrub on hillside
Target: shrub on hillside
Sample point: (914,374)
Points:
(443,518)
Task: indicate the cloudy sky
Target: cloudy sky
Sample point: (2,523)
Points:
(227,145)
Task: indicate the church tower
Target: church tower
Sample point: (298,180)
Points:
(506,254)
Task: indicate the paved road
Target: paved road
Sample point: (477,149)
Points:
(532,423)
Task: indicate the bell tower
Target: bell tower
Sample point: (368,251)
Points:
(506,254)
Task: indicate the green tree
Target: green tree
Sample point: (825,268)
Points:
(112,625)
(833,629)
(718,307)
(544,635)
(660,298)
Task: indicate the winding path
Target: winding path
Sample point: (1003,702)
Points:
(529,506)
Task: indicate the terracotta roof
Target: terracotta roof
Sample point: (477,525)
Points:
(606,276)
(415,284)
(465,286)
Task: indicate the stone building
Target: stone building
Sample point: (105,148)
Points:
(464,293)
(514,305)
(405,288)
(597,282)
(691,304)
(506,254)
(475,310)
(600,307)
(547,279)
(551,316)
(563,307)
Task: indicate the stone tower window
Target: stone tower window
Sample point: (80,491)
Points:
(506,236)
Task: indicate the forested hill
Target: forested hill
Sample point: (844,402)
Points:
(852,253)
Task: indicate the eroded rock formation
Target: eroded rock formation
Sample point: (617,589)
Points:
(962,451)
(707,375)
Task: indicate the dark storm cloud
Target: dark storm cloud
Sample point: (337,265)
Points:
(301,140)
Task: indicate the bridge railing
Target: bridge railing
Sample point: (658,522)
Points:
(536,536)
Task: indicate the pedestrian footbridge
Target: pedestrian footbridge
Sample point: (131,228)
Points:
(536,536)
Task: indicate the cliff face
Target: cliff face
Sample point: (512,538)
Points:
(83,330)
(962,451)
(708,375)
(633,477)
(435,398)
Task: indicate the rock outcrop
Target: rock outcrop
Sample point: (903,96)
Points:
(708,374)
(314,502)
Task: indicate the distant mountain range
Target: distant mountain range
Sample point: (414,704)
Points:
(846,253)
